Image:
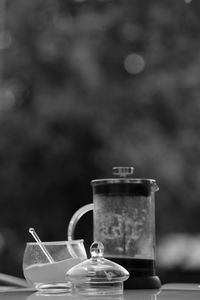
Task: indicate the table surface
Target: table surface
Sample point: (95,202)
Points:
(167,292)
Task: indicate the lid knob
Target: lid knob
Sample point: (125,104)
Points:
(123,171)
(96,250)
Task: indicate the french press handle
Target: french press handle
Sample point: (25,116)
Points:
(76,217)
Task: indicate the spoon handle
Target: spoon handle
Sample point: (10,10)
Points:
(43,248)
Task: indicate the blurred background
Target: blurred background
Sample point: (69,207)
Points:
(89,84)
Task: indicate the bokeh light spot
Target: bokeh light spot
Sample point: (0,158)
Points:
(7,99)
(134,63)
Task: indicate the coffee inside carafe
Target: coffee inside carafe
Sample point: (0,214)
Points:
(124,221)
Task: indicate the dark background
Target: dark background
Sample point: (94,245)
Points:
(87,85)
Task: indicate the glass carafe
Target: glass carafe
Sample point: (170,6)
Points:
(124,221)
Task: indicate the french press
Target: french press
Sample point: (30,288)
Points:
(124,221)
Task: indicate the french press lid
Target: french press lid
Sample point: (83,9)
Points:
(124,184)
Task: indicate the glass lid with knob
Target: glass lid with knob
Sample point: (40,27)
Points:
(97,275)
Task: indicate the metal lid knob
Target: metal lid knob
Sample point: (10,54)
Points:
(123,171)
